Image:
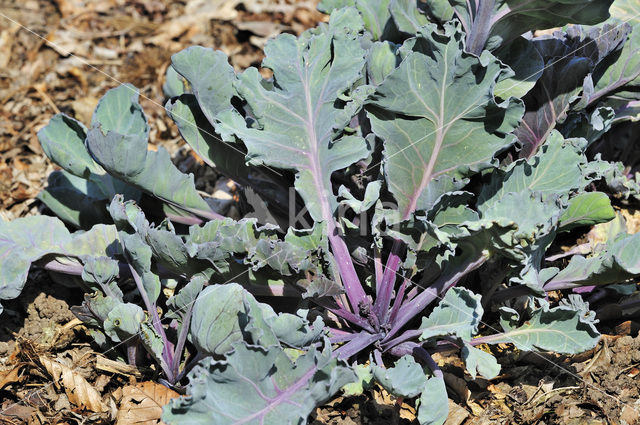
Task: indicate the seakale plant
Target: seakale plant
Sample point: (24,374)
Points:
(436,153)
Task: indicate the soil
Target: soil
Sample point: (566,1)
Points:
(132,41)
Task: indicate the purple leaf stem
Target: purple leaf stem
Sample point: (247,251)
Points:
(357,344)
(338,335)
(182,338)
(411,309)
(403,337)
(155,321)
(421,354)
(383,300)
(482,23)
(352,286)
(350,317)
(377,264)
(397,303)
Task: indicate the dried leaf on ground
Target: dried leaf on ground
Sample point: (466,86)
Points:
(78,390)
(11,375)
(142,403)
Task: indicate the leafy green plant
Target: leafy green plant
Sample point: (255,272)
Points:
(437,154)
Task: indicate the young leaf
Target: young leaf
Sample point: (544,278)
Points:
(433,407)
(617,262)
(479,362)
(405,379)
(75,200)
(214,324)
(432,140)
(587,209)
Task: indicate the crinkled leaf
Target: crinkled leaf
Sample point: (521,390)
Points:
(100,272)
(363,381)
(268,328)
(459,313)
(617,262)
(561,329)
(431,138)
(405,379)
(118,141)
(299,118)
(587,209)
(558,169)
(258,385)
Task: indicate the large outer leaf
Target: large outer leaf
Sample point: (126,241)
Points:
(438,118)
(118,141)
(300,117)
(256,385)
(28,239)
(492,23)
(626,10)
(562,329)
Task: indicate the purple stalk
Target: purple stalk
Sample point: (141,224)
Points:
(477,38)
(338,335)
(421,354)
(182,338)
(352,286)
(383,300)
(411,309)
(357,344)
(377,265)
(397,303)
(167,355)
(350,317)
(403,337)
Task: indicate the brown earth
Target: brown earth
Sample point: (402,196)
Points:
(46,356)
